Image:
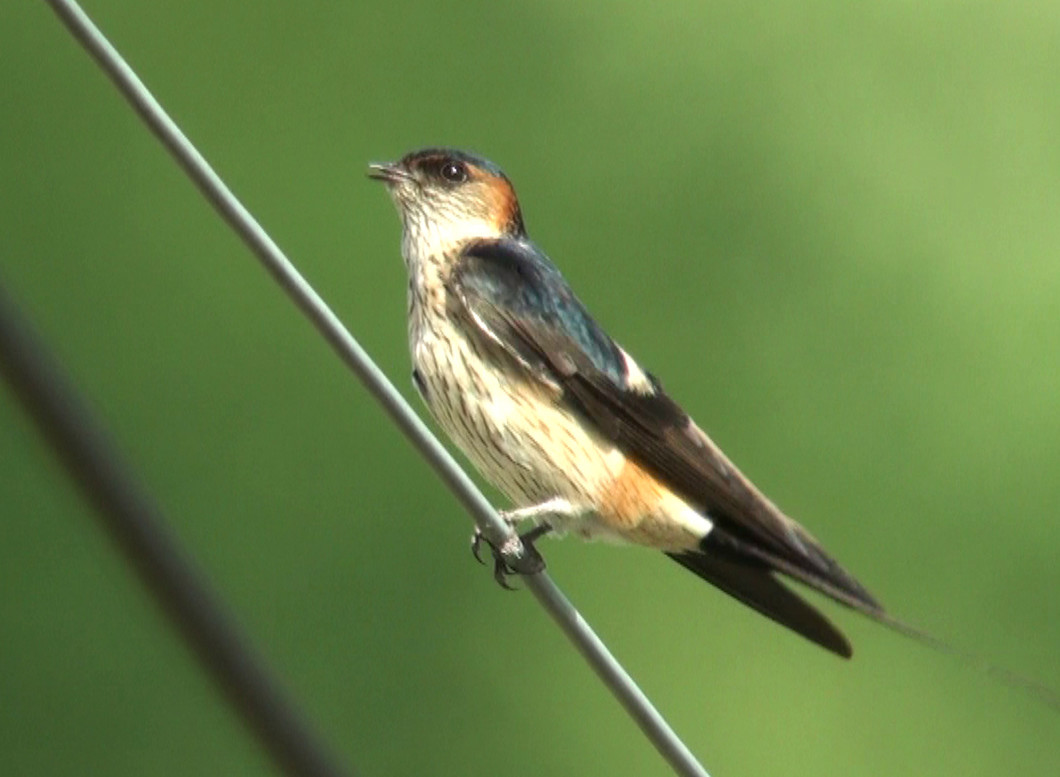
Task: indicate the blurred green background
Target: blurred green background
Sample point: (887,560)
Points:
(832,230)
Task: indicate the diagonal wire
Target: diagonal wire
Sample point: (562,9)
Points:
(137,526)
(618,681)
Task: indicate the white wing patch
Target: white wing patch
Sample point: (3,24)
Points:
(636,379)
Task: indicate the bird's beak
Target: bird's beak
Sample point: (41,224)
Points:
(388,172)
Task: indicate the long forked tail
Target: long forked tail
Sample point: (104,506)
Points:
(755,586)
(750,575)
(747,571)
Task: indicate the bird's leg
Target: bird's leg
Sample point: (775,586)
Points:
(518,554)
(556,506)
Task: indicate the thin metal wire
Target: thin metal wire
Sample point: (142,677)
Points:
(655,728)
(137,526)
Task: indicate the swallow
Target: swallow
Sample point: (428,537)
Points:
(565,422)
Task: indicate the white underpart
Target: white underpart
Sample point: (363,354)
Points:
(531,448)
(615,459)
(679,511)
(437,232)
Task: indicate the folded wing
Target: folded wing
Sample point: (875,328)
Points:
(516,299)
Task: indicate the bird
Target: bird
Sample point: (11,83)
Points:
(565,422)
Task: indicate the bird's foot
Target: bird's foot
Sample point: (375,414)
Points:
(516,556)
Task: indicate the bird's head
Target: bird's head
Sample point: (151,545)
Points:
(446,196)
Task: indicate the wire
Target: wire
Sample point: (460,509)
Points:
(327,323)
(137,526)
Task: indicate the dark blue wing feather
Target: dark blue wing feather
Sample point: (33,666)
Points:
(516,279)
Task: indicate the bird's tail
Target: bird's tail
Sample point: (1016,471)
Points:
(749,574)
(755,586)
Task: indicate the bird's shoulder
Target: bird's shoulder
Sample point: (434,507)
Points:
(513,293)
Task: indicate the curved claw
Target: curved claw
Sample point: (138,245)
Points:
(501,573)
(476,544)
(518,556)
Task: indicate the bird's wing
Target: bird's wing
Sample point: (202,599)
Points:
(516,299)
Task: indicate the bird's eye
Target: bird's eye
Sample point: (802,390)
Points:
(454,172)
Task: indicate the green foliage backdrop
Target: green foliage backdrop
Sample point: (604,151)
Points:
(832,230)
